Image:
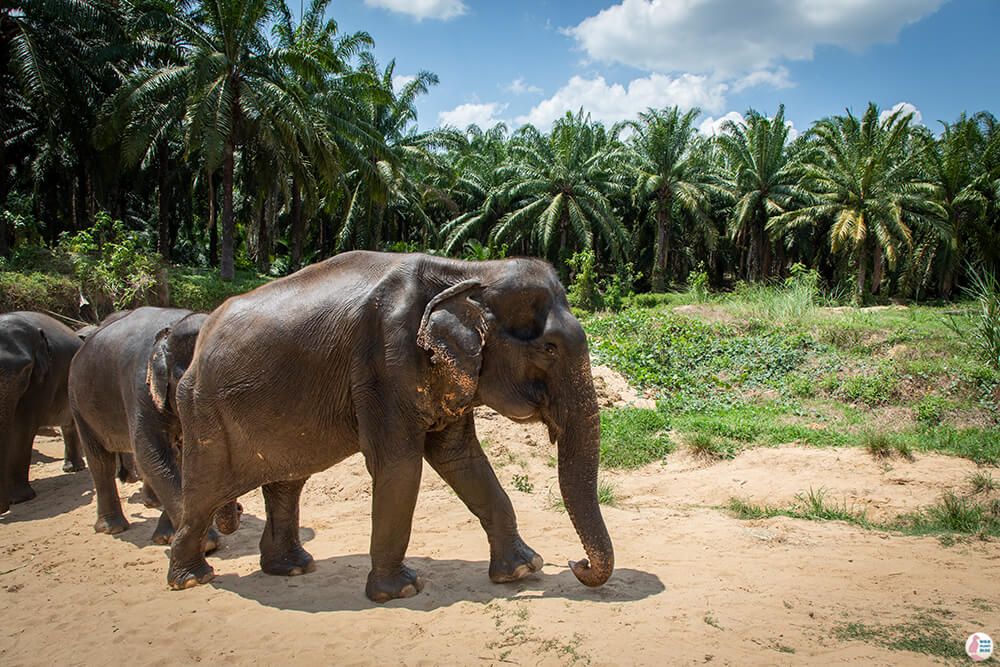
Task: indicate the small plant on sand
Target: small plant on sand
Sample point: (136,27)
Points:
(703,444)
(982,482)
(523,484)
(878,445)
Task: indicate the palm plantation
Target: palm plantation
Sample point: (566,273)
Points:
(162,115)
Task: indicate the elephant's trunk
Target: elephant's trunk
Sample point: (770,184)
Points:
(579,435)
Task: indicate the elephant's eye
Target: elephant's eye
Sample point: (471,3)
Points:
(550,348)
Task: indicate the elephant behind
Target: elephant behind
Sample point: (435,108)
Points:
(122,393)
(35,355)
(386,354)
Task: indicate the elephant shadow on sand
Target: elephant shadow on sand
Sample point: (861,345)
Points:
(337,585)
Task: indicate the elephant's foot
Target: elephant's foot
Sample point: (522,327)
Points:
(227,519)
(148,497)
(515,561)
(293,562)
(112,525)
(20,494)
(401,583)
(179,577)
(74,465)
(164,535)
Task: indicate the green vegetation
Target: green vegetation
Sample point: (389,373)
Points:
(927,632)
(204,290)
(631,438)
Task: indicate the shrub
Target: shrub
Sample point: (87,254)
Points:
(930,410)
(583,292)
(984,336)
(871,389)
(800,385)
(697,282)
(39,292)
(202,290)
(112,262)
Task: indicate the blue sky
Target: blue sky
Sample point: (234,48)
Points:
(519,61)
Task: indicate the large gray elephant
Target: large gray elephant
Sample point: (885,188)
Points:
(122,386)
(35,354)
(386,354)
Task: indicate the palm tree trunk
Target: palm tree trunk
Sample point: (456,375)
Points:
(298,230)
(662,249)
(877,263)
(226,272)
(862,267)
(213,227)
(162,215)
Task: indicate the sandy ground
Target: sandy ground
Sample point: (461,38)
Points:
(692,584)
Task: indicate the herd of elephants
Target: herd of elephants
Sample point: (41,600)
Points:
(380,353)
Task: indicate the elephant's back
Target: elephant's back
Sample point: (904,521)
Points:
(112,363)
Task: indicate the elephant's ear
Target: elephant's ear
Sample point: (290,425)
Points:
(43,358)
(453,330)
(158,370)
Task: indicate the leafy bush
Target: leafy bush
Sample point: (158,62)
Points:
(697,282)
(111,261)
(800,385)
(787,302)
(930,410)
(202,290)
(583,292)
(984,335)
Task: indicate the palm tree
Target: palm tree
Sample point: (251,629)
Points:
(232,85)
(762,182)
(862,173)
(384,201)
(669,176)
(475,182)
(953,168)
(559,187)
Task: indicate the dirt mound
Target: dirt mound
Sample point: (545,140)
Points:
(692,583)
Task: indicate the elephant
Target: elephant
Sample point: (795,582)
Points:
(122,387)
(35,354)
(386,354)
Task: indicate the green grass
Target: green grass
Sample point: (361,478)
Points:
(925,633)
(633,437)
(982,482)
(703,444)
(811,505)
(202,290)
(953,514)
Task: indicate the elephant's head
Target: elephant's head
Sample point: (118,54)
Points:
(172,352)
(509,340)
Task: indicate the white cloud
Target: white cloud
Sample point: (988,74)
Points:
(610,103)
(399,81)
(483,115)
(776,78)
(712,126)
(728,39)
(519,87)
(423,9)
(908,110)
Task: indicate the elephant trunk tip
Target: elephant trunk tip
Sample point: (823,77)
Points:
(590,576)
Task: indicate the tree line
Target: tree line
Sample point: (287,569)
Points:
(234,135)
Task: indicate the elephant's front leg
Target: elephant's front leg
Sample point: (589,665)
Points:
(395,482)
(456,455)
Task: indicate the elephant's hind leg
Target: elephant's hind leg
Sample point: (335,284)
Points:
(456,455)
(281,551)
(72,456)
(103,467)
